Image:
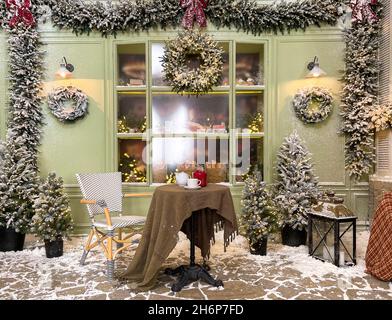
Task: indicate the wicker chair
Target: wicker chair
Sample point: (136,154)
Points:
(103,196)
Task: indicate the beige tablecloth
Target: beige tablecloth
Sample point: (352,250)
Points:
(170,208)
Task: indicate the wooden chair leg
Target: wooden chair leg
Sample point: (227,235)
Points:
(110,260)
(119,245)
(86,247)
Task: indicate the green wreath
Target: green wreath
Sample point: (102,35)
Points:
(313,105)
(190,47)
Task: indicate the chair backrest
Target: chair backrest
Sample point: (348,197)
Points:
(101,186)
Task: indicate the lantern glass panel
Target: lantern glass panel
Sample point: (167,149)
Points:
(320,229)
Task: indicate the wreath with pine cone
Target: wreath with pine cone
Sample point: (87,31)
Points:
(192,62)
(313,105)
(58,103)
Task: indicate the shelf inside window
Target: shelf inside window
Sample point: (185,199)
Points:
(125,136)
(246,89)
(131,89)
(257,135)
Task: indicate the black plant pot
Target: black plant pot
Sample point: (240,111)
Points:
(293,237)
(10,240)
(260,248)
(54,249)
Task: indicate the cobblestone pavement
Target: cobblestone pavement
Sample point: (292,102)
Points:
(285,273)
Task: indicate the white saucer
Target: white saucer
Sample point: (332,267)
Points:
(190,188)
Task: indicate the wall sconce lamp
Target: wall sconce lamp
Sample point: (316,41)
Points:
(314,69)
(65,70)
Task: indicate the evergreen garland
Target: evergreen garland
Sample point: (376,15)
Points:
(52,219)
(25,117)
(360,94)
(18,174)
(246,15)
(259,216)
(297,186)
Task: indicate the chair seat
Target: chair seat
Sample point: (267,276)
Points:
(121,222)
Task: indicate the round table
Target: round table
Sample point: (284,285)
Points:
(196,213)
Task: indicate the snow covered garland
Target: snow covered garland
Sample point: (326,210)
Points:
(360,91)
(58,99)
(303,104)
(192,46)
(109,18)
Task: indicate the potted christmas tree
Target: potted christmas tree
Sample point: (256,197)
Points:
(18,185)
(259,217)
(296,189)
(52,220)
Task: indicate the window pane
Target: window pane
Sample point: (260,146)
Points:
(157,51)
(170,155)
(182,114)
(226,64)
(131,65)
(249,64)
(131,163)
(249,112)
(131,113)
(249,157)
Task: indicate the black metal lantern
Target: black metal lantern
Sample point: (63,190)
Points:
(332,231)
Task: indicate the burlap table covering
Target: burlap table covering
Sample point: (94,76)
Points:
(169,210)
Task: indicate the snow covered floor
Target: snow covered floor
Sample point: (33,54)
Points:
(285,273)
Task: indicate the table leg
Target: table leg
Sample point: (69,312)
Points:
(193,271)
(192,255)
(355,241)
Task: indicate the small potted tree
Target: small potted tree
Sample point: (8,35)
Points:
(296,189)
(18,189)
(259,217)
(52,221)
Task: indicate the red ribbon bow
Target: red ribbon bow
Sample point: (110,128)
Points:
(21,12)
(362,10)
(194,11)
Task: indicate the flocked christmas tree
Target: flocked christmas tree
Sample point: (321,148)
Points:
(52,219)
(18,185)
(297,186)
(259,216)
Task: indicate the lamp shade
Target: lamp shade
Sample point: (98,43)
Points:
(314,69)
(63,72)
(316,72)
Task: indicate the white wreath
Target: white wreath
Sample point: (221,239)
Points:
(304,97)
(59,96)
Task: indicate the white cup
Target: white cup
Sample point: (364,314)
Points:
(193,183)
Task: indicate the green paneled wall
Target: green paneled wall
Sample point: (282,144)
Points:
(88,145)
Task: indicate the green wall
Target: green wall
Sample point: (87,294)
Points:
(88,145)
